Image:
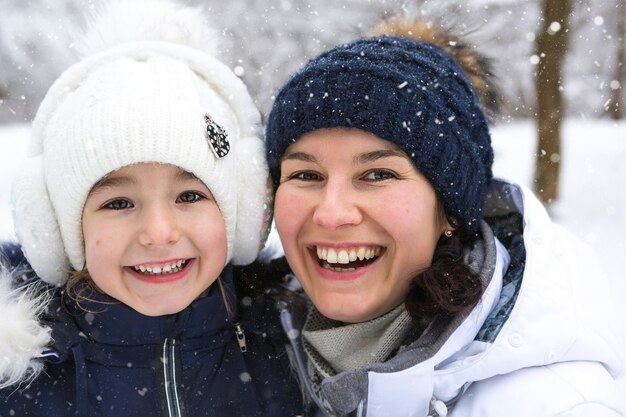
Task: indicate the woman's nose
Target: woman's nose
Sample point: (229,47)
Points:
(159,226)
(337,207)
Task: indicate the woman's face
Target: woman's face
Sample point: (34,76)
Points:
(357,221)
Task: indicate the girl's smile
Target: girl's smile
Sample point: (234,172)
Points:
(161,272)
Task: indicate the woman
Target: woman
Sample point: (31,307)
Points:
(434,288)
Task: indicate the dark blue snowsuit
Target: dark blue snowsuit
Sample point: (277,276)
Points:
(109,360)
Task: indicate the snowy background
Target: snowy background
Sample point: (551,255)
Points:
(265,40)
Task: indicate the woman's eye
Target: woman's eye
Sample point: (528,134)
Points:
(189,197)
(305,176)
(379,175)
(119,204)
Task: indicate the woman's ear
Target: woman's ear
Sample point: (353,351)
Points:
(449,225)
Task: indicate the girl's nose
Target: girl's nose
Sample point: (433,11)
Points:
(159,226)
(337,207)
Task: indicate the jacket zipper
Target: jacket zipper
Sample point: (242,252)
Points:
(241,337)
(300,360)
(169,376)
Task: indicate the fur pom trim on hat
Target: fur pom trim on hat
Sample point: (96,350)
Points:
(117,22)
(142,100)
(477,66)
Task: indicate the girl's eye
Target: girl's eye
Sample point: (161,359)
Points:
(305,176)
(189,197)
(119,204)
(379,175)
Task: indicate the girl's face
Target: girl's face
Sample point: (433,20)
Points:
(154,237)
(357,221)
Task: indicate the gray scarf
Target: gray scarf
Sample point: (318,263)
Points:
(333,348)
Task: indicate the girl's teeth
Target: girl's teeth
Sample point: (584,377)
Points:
(166,269)
(360,254)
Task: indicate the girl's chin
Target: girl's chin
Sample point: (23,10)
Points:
(154,311)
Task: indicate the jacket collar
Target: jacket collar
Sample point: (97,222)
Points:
(107,321)
(348,391)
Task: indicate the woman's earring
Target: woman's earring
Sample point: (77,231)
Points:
(448,233)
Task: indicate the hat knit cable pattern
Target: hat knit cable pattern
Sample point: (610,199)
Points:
(408,92)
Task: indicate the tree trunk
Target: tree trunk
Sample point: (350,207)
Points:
(617,94)
(550,48)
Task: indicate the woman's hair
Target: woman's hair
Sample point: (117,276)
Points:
(448,286)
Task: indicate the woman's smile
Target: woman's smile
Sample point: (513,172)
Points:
(346,259)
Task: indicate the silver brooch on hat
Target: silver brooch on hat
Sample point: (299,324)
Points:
(216,137)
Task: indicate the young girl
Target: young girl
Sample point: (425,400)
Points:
(145,185)
(433,288)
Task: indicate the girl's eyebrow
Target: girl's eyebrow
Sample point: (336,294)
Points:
(183,175)
(112,181)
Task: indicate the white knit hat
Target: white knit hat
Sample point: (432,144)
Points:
(142,98)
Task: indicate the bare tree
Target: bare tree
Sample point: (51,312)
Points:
(550,49)
(617,85)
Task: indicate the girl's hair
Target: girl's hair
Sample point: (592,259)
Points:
(448,286)
(81,289)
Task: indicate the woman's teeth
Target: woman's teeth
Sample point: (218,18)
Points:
(334,257)
(170,268)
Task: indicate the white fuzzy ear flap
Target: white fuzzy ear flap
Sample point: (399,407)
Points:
(253,205)
(36,226)
(23,339)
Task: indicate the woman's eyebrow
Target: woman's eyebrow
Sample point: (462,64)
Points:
(299,156)
(379,154)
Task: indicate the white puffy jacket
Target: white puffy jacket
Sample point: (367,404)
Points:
(558,353)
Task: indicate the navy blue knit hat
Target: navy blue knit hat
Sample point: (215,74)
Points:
(408,92)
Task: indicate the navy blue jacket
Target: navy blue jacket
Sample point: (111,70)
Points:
(113,361)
